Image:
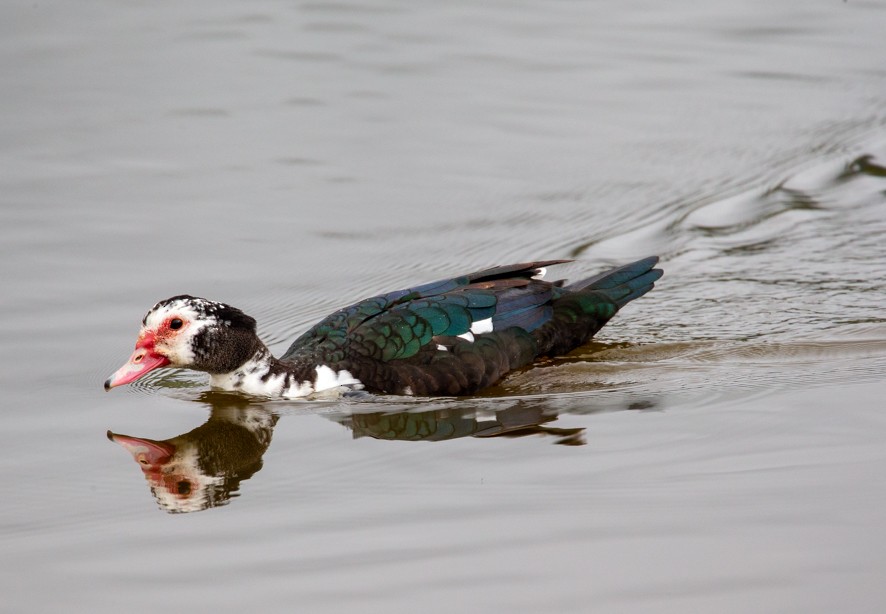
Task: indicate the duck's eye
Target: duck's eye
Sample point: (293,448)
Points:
(175,324)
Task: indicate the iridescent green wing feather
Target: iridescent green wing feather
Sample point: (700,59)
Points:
(398,324)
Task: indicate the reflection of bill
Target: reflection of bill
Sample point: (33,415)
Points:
(204,467)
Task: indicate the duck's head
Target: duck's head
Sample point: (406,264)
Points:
(190,332)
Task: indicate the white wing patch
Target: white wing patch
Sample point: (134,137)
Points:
(442,348)
(541,273)
(477,328)
(482,326)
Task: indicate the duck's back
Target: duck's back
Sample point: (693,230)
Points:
(458,335)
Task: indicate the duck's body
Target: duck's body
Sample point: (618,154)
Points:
(450,337)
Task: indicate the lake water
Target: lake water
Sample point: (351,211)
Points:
(720,447)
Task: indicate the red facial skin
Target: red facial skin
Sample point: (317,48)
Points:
(145,358)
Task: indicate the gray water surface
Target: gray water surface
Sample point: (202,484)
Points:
(720,445)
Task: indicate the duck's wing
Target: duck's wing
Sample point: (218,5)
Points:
(459,335)
(398,324)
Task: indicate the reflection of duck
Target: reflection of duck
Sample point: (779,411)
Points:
(450,337)
(204,467)
(437,425)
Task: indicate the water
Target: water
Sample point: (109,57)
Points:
(720,444)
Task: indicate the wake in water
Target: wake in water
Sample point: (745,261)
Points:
(768,289)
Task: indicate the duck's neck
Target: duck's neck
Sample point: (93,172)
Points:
(264,375)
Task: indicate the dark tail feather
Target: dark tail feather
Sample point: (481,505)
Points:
(624,284)
(524,270)
(584,307)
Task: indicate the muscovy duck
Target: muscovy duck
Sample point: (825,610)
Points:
(449,337)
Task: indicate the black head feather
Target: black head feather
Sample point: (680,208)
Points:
(227,338)
(225,314)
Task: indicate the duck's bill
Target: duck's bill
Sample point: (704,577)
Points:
(139,364)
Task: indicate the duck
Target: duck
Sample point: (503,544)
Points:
(451,337)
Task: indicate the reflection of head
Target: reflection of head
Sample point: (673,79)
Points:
(204,467)
(187,487)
